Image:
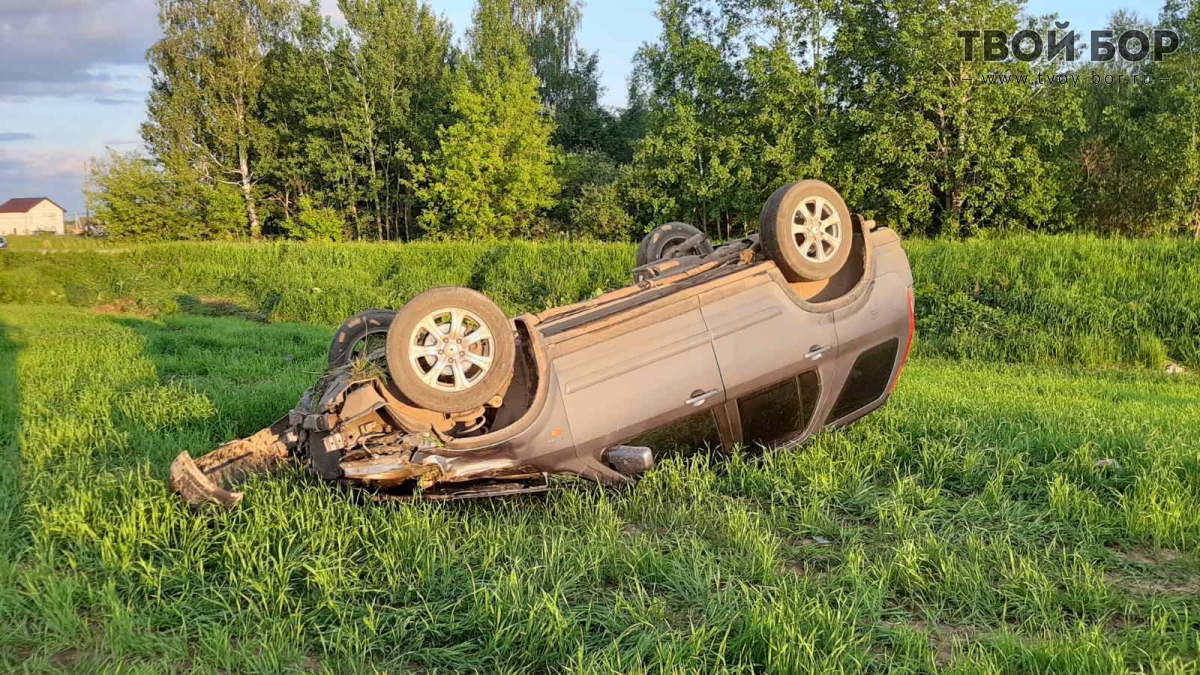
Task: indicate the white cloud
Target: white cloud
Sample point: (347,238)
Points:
(41,164)
(54,174)
(69,47)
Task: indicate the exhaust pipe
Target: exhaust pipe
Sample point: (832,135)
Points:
(629,460)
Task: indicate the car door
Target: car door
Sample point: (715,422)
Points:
(873,334)
(774,357)
(624,382)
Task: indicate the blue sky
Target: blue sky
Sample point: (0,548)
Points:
(73,80)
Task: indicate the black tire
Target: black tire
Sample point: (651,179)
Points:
(357,333)
(663,243)
(481,383)
(784,246)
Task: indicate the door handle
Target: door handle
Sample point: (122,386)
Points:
(817,351)
(699,397)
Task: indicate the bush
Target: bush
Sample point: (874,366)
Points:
(315,224)
(134,197)
(590,204)
(597,214)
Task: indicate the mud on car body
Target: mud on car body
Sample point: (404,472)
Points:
(762,341)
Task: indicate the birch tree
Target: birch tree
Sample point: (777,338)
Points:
(207,76)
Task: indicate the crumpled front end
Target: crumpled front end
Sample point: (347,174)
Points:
(350,428)
(211,478)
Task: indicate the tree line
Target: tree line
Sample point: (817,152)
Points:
(265,119)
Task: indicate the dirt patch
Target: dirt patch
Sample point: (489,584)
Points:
(221,307)
(814,566)
(1161,573)
(123,306)
(1159,586)
(797,567)
(943,637)
(66,659)
(1147,556)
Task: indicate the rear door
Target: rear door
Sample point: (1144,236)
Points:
(874,333)
(619,382)
(774,357)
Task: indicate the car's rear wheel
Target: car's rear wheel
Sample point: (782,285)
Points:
(362,334)
(671,241)
(805,228)
(450,350)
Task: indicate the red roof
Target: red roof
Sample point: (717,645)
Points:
(24,204)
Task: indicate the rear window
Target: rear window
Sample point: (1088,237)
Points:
(779,413)
(867,381)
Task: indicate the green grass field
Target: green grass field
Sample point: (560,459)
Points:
(1063,300)
(970,525)
(965,525)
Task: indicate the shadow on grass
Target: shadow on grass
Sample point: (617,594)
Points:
(222,378)
(12,520)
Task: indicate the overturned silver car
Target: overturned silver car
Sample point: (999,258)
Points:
(763,341)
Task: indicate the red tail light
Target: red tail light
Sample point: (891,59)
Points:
(912,329)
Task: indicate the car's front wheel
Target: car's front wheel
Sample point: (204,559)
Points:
(805,228)
(450,350)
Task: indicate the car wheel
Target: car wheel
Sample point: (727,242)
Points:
(665,241)
(362,334)
(450,350)
(805,228)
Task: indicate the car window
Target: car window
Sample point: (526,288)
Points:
(694,432)
(779,413)
(868,379)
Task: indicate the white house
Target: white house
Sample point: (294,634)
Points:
(30,215)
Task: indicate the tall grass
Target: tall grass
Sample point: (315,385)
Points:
(1062,299)
(1027,299)
(967,524)
(48,242)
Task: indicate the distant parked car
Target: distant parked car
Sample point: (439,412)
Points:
(3,243)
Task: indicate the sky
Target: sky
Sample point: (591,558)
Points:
(73,76)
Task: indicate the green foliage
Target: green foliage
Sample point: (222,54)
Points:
(491,175)
(1046,300)
(207,79)
(569,77)
(939,149)
(405,134)
(732,114)
(313,223)
(133,198)
(590,204)
(597,213)
(136,199)
(1149,128)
